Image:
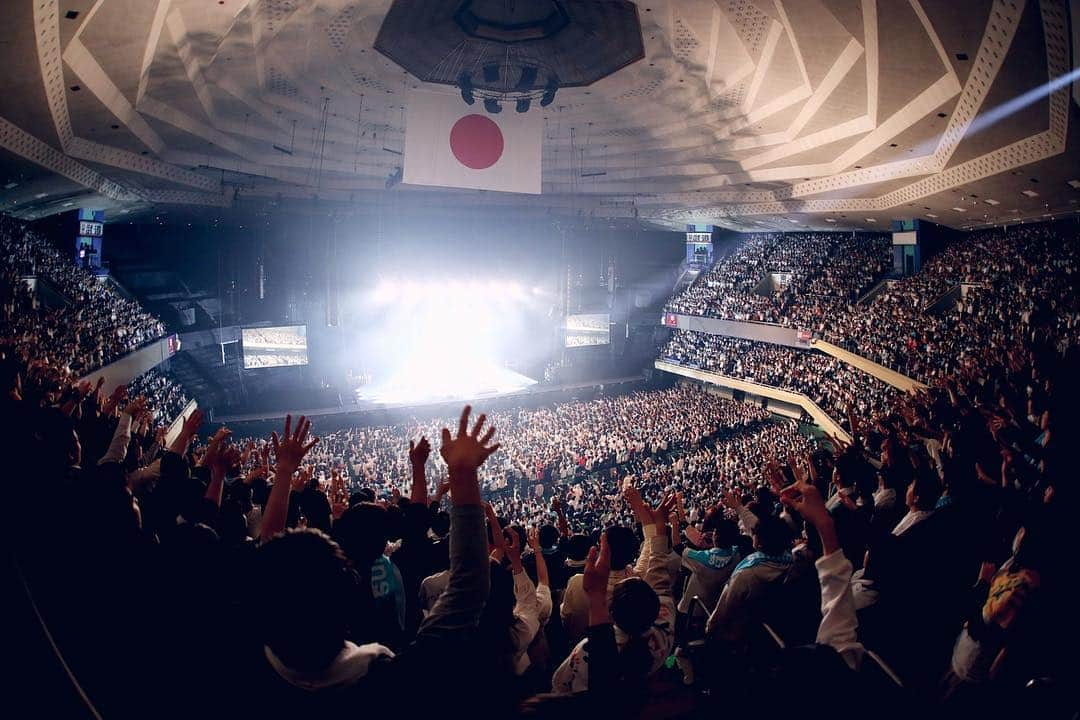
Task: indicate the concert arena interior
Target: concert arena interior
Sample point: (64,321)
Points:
(540,358)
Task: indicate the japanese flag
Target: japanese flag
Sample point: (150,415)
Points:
(451,144)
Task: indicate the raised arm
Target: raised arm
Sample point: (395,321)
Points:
(118,447)
(182,441)
(289,451)
(542,576)
(839,625)
(220,458)
(459,607)
(543,582)
(418,455)
(564,527)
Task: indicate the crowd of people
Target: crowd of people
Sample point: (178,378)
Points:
(165,395)
(825,269)
(94,324)
(544,451)
(839,389)
(677,538)
(1000,277)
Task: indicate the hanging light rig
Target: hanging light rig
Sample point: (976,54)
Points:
(522,94)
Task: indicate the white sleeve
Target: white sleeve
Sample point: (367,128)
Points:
(838,621)
(747,518)
(543,603)
(117,451)
(525,610)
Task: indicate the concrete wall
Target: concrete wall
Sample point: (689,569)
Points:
(902,382)
(783,396)
(761,332)
(131,366)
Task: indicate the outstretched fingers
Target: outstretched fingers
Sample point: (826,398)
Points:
(463,423)
(302,427)
(479,425)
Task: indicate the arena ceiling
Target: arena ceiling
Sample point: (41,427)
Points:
(750,114)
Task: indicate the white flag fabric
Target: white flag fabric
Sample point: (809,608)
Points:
(451,144)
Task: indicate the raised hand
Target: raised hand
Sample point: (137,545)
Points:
(117,397)
(631,494)
(302,478)
(730,499)
(212,458)
(468,451)
(187,432)
(513,549)
(497,535)
(534,539)
(291,448)
(136,407)
(419,452)
(663,511)
(774,475)
(597,570)
(805,499)
(254,474)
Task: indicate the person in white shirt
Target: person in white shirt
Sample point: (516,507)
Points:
(922,495)
(643,611)
(575,605)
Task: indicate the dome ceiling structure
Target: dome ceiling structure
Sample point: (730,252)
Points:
(749,114)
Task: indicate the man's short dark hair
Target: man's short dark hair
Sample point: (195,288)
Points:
(303,569)
(624,546)
(549,536)
(634,606)
(772,534)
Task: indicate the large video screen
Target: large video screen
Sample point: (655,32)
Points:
(274,346)
(586,330)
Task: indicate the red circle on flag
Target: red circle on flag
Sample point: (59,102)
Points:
(476,141)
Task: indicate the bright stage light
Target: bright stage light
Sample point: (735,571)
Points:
(442,339)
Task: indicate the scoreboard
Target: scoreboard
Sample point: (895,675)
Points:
(88,238)
(89,228)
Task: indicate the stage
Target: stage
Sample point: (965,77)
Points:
(410,389)
(369,412)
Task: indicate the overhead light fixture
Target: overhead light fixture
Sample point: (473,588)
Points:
(492,106)
(465,83)
(523,105)
(550,89)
